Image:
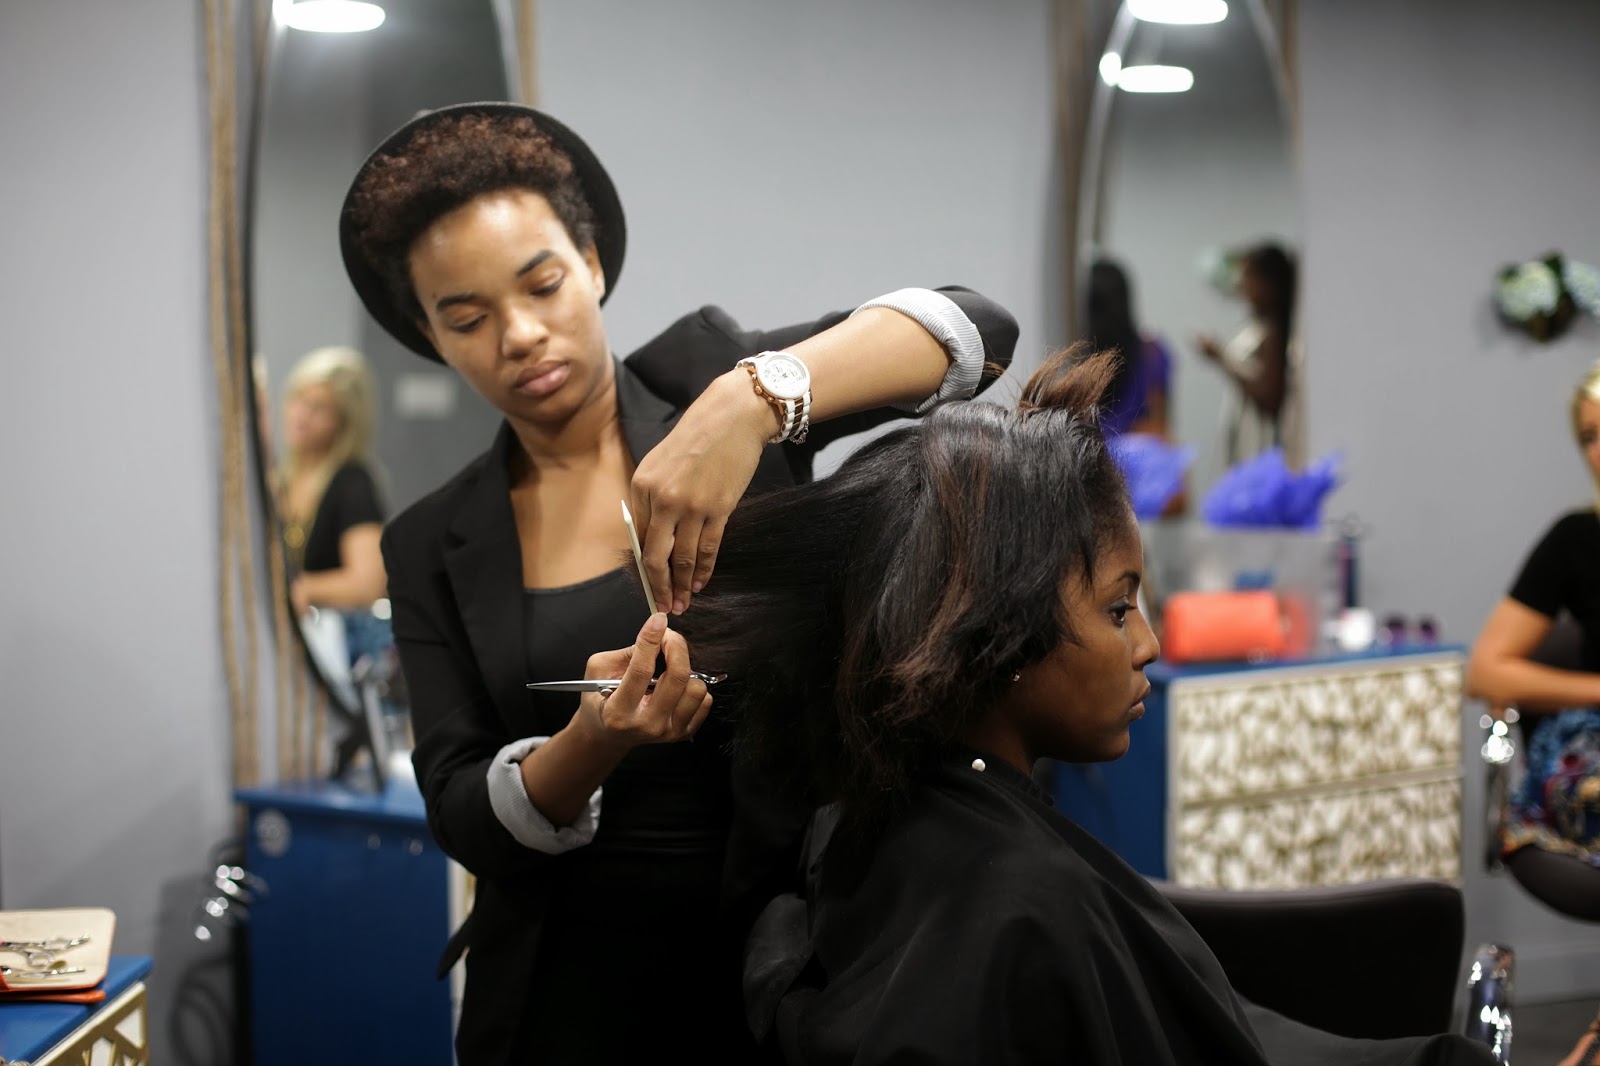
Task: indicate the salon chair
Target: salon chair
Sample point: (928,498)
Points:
(1560,882)
(1374,960)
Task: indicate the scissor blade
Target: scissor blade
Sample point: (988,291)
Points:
(573,686)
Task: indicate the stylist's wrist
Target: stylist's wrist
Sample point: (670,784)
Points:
(735,393)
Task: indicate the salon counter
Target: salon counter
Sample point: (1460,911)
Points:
(345,943)
(1286,774)
(58,1034)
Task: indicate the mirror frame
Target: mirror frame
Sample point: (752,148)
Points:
(239,36)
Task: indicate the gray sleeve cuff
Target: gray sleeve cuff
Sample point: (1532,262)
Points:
(521,818)
(940,316)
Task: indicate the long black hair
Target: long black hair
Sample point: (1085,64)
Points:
(1273,264)
(865,619)
(1112,324)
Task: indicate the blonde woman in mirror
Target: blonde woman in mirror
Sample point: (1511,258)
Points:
(1256,358)
(327,494)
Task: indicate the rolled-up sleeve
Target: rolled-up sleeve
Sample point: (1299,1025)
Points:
(522,819)
(949,325)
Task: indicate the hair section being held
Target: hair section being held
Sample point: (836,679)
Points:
(866,619)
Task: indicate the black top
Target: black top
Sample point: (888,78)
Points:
(636,947)
(351,499)
(1562,573)
(985,927)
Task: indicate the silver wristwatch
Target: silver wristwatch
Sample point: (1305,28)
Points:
(783,381)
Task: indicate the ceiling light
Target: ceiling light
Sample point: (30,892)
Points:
(330,16)
(1110,67)
(1179,12)
(1155,79)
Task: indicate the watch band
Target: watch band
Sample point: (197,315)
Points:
(794,416)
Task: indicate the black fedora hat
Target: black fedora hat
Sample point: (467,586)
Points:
(610,229)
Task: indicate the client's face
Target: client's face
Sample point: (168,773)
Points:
(1077,704)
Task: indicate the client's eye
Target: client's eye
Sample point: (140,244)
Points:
(1120,612)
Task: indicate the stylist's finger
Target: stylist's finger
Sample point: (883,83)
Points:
(710,542)
(674,678)
(696,716)
(685,545)
(636,679)
(656,539)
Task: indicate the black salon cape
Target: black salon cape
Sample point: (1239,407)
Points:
(987,928)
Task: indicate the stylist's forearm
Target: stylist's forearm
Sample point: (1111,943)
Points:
(874,358)
(562,773)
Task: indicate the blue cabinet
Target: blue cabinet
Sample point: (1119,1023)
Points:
(345,944)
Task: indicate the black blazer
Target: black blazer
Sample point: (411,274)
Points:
(455,587)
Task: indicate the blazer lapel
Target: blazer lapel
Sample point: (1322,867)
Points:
(646,418)
(484,564)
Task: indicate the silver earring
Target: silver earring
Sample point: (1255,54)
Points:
(1017,676)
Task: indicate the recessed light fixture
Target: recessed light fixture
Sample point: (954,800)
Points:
(1179,12)
(1155,79)
(330,16)
(1110,68)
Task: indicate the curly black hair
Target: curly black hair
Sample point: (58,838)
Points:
(445,165)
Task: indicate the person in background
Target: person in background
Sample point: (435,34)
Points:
(1553,820)
(908,636)
(1256,359)
(328,500)
(1136,401)
(614,863)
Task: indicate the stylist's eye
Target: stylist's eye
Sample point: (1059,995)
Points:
(549,289)
(467,326)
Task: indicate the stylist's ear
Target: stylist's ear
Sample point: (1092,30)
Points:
(591,259)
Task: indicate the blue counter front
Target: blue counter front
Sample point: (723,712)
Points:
(28,1031)
(345,944)
(1299,719)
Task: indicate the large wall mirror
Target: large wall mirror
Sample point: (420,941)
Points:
(1189,162)
(322,367)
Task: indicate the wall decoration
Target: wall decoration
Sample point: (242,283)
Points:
(1542,297)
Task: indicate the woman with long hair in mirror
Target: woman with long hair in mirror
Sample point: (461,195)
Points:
(327,492)
(906,638)
(1257,358)
(616,863)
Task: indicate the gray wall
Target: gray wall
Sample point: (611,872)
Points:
(113,742)
(783,160)
(1443,139)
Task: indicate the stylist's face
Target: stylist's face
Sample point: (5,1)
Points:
(513,305)
(1077,704)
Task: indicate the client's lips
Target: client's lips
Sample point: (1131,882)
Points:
(1138,705)
(541,380)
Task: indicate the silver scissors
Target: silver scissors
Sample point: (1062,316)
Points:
(39,953)
(609,685)
(59,969)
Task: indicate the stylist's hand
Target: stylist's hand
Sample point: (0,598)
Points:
(629,716)
(1209,348)
(685,489)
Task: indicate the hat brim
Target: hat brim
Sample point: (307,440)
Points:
(610,230)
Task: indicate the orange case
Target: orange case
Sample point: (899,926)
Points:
(1223,626)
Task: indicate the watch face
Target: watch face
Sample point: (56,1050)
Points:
(784,376)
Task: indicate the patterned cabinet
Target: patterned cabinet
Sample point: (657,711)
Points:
(1286,775)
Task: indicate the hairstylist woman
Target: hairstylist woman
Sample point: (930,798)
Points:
(487,236)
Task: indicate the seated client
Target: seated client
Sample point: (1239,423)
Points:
(908,636)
